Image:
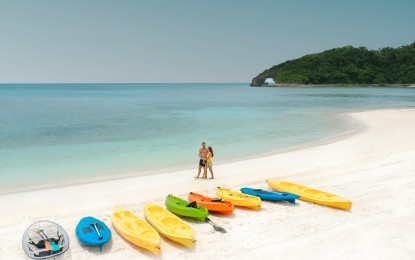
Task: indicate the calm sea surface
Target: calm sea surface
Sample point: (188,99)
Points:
(54,134)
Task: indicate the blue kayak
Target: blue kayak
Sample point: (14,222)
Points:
(271,195)
(93,232)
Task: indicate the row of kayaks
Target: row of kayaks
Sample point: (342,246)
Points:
(45,239)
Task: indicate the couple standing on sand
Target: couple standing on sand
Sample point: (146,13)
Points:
(205,162)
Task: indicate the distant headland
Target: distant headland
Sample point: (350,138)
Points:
(345,66)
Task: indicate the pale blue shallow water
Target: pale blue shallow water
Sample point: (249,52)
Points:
(53,134)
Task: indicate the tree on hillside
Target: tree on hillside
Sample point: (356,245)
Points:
(346,65)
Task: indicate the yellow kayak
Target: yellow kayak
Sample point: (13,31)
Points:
(169,225)
(311,195)
(136,230)
(238,198)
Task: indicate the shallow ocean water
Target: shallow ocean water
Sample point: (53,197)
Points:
(54,134)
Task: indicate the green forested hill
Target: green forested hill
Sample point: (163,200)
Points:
(347,65)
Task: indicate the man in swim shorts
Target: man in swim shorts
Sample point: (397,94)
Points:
(203,158)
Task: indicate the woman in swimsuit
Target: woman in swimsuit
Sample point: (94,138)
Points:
(209,162)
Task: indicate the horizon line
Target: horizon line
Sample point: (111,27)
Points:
(20,83)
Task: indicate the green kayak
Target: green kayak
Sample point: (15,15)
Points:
(183,208)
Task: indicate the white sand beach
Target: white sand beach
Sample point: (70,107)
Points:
(374,168)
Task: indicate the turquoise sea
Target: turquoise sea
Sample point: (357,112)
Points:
(58,134)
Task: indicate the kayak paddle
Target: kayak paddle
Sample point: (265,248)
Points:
(53,245)
(96,229)
(99,234)
(215,226)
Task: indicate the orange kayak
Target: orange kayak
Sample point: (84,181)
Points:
(215,205)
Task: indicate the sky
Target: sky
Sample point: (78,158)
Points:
(184,40)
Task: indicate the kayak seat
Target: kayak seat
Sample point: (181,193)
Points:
(192,205)
(39,244)
(42,243)
(86,230)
